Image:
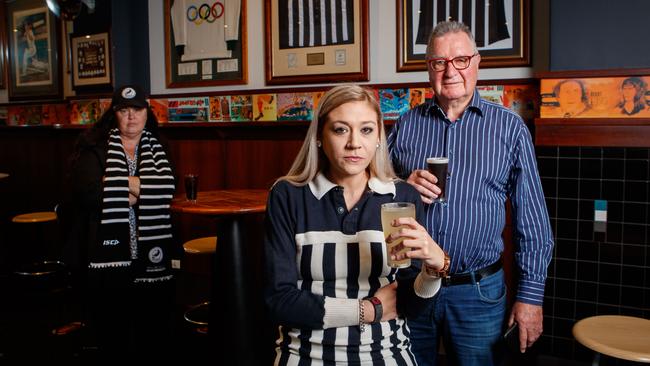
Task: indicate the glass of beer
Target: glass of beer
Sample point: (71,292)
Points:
(390,212)
(191,186)
(438,167)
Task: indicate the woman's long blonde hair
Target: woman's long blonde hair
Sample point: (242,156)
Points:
(310,159)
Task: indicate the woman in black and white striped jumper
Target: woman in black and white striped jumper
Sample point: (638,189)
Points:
(329,287)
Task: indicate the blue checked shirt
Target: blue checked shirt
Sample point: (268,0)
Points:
(491,157)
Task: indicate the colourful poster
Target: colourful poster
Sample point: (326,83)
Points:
(393,102)
(265,107)
(491,93)
(416,97)
(159,108)
(522,99)
(620,97)
(54,114)
(241,108)
(295,106)
(220,108)
(192,109)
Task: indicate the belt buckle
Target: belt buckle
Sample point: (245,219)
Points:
(446,281)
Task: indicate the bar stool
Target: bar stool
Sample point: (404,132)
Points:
(622,337)
(198,261)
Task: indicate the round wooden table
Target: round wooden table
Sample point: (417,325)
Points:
(236,297)
(623,337)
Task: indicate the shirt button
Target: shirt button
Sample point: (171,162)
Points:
(340,210)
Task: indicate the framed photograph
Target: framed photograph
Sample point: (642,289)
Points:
(205,43)
(34,40)
(316,42)
(91,60)
(501,29)
(3,49)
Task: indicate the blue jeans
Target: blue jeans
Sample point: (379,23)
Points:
(469,318)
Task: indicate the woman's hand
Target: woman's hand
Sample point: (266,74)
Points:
(416,237)
(134,187)
(388,297)
(132,200)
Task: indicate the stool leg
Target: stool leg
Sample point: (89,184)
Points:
(596,360)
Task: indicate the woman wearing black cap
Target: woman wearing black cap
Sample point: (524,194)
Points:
(119,233)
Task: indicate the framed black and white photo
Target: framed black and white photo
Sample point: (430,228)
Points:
(501,29)
(315,42)
(34,67)
(91,61)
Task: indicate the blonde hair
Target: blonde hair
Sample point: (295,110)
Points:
(310,159)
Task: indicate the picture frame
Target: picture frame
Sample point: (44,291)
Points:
(34,39)
(315,51)
(3,49)
(205,50)
(91,61)
(498,46)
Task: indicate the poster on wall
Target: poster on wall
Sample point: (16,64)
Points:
(91,61)
(620,97)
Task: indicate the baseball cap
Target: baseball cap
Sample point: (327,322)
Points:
(129,96)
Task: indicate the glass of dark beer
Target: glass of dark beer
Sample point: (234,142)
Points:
(438,167)
(191,186)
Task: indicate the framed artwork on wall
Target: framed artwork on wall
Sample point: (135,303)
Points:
(501,29)
(205,43)
(91,60)
(314,42)
(3,49)
(34,67)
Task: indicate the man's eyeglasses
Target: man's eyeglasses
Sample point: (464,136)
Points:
(460,62)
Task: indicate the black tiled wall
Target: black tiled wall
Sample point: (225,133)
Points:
(595,273)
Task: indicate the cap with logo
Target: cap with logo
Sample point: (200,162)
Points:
(129,96)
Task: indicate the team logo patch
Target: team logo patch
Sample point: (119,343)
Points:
(128,93)
(155,255)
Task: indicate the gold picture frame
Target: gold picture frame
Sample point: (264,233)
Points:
(205,51)
(91,61)
(301,49)
(512,50)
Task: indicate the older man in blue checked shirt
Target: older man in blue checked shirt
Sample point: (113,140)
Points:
(491,158)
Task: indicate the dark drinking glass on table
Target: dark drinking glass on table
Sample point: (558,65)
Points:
(191,186)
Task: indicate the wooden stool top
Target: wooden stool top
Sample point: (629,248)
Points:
(623,337)
(201,245)
(33,217)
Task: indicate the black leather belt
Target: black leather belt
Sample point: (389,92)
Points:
(466,278)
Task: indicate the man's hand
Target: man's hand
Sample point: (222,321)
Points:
(530,319)
(425,183)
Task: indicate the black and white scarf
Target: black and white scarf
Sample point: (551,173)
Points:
(112,249)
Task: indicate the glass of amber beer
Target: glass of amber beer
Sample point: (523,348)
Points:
(390,212)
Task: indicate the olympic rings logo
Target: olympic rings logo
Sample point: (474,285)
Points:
(205,12)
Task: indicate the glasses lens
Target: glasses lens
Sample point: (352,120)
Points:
(438,64)
(461,62)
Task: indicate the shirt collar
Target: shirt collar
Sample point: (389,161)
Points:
(320,185)
(475,104)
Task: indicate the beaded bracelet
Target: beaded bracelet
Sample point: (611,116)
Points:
(362,316)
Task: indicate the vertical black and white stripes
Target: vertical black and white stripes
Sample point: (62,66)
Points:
(491,158)
(153,216)
(310,23)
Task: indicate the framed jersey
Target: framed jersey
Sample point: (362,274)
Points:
(316,41)
(501,29)
(205,43)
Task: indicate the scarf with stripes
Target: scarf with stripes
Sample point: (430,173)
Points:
(112,251)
